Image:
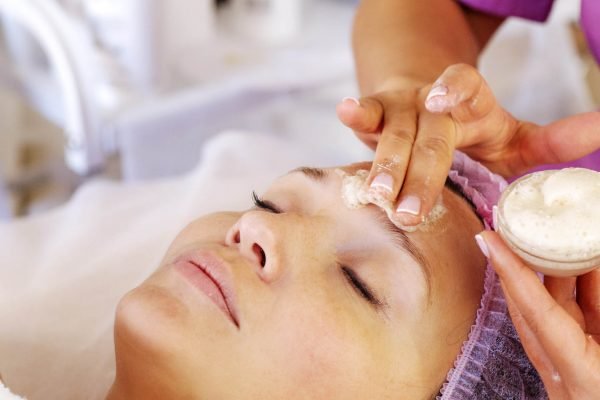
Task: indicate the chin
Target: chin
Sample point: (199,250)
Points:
(149,318)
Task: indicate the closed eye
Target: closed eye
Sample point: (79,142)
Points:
(360,287)
(264,204)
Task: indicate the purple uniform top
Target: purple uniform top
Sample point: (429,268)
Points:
(538,10)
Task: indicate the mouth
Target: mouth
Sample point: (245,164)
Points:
(211,276)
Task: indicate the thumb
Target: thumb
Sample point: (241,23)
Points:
(564,140)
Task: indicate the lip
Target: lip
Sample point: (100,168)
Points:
(213,277)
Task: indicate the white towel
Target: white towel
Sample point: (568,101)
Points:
(6,394)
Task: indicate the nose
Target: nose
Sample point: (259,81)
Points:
(255,237)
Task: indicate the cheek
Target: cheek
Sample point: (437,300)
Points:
(324,349)
(171,343)
(163,316)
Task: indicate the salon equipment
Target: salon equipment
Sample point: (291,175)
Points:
(65,42)
(268,21)
(98,58)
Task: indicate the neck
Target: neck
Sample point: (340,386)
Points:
(139,388)
(139,374)
(116,393)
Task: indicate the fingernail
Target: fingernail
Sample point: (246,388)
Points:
(495,217)
(351,100)
(436,100)
(382,182)
(482,245)
(437,90)
(410,205)
(436,105)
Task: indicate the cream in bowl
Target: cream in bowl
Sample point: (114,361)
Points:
(551,219)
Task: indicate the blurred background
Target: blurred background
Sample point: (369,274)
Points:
(132,89)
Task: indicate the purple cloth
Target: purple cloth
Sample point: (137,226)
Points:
(590,21)
(492,363)
(591,161)
(538,10)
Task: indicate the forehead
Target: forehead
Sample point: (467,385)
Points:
(352,168)
(458,207)
(332,178)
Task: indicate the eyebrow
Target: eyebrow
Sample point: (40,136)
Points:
(403,241)
(399,237)
(316,174)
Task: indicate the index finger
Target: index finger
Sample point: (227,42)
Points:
(461,90)
(561,337)
(364,115)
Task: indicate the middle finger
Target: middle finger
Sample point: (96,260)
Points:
(430,162)
(588,297)
(563,291)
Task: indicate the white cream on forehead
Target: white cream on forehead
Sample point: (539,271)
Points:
(355,194)
(557,212)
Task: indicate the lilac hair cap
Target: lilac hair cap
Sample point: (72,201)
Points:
(492,363)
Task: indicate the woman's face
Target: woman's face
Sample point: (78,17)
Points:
(303,299)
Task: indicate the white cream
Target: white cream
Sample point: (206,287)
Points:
(555,214)
(355,194)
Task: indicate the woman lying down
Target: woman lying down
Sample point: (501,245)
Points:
(301,297)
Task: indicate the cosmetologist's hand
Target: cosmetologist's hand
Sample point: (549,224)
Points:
(558,322)
(415,131)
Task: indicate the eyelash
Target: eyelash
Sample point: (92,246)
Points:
(263,204)
(360,287)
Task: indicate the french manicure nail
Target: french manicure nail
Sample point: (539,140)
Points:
(436,91)
(351,100)
(410,205)
(436,104)
(383,182)
(495,217)
(437,99)
(482,245)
